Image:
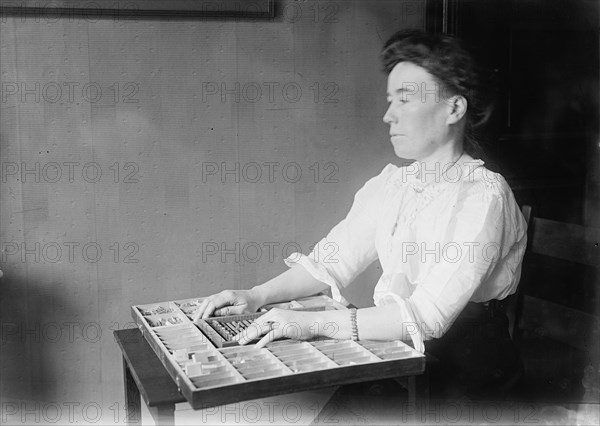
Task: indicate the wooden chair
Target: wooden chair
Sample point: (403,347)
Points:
(563,334)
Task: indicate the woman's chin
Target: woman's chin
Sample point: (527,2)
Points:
(403,155)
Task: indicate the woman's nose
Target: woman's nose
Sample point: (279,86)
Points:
(389,116)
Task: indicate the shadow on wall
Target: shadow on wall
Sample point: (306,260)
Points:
(37,329)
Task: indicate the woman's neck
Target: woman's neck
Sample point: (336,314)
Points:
(434,167)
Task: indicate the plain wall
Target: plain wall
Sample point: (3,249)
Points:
(159,218)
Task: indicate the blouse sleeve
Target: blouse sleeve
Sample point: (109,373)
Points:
(489,233)
(350,245)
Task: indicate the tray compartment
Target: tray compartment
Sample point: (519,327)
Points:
(206,367)
(345,352)
(189,306)
(253,363)
(153,309)
(176,330)
(221,330)
(164,320)
(389,350)
(301,357)
(181,337)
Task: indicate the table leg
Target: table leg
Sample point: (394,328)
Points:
(418,395)
(422,388)
(132,397)
(163,414)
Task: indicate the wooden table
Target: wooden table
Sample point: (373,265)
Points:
(145,377)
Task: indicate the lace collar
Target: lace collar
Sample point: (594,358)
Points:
(423,178)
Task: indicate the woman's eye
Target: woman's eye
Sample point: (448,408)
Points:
(400,100)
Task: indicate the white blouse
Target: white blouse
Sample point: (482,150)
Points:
(444,237)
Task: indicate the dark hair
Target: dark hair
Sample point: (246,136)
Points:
(445,58)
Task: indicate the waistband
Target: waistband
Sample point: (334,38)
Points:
(490,309)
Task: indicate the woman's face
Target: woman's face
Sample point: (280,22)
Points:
(417,114)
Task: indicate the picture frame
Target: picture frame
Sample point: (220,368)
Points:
(245,9)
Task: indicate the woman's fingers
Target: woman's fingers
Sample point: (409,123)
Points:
(269,337)
(200,311)
(258,327)
(211,305)
(250,333)
(228,310)
(272,325)
(210,308)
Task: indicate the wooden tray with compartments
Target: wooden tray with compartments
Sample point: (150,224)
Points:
(211,370)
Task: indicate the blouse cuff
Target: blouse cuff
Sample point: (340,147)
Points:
(409,322)
(319,272)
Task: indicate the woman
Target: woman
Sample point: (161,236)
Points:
(447,231)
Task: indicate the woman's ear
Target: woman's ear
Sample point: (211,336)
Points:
(458,108)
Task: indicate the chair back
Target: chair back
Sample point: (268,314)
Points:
(536,321)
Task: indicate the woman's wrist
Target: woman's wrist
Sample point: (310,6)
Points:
(258,296)
(335,324)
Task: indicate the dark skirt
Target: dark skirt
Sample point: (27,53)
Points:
(476,357)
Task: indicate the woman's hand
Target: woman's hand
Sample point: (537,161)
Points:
(228,302)
(278,323)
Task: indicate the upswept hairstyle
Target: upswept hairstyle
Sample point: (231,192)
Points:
(446,59)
